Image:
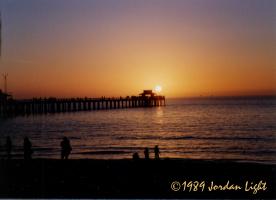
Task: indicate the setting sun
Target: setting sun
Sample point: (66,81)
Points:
(158,88)
(120,48)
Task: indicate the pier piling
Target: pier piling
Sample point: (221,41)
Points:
(10,107)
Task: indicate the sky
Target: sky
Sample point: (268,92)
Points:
(93,48)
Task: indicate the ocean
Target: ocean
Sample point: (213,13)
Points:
(238,128)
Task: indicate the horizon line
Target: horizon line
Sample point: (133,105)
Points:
(183,97)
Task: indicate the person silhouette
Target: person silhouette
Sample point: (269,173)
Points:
(8,147)
(27,149)
(156,152)
(65,148)
(146,153)
(135,156)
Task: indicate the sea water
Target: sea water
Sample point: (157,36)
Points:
(239,128)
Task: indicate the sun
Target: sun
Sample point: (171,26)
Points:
(158,88)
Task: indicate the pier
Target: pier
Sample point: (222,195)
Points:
(11,107)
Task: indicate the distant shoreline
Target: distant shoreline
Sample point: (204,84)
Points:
(223,97)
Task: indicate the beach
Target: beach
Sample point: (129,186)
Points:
(204,153)
(126,178)
(137,99)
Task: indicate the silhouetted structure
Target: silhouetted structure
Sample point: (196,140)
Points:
(65,148)
(156,152)
(3,96)
(0,35)
(28,151)
(5,78)
(146,153)
(135,156)
(54,105)
(8,146)
(148,93)
(4,102)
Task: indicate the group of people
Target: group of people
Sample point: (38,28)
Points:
(28,150)
(146,154)
(66,149)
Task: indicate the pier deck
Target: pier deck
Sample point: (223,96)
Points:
(56,105)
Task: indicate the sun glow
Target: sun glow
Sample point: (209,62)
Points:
(158,89)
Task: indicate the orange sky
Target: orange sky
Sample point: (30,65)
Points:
(93,49)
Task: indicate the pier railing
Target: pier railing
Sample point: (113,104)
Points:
(56,105)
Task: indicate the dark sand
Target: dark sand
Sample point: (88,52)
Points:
(45,178)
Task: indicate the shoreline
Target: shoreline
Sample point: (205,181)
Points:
(19,157)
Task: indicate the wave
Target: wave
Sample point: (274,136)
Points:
(103,152)
(234,138)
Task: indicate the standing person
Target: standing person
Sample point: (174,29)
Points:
(27,149)
(135,156)
(156,152)
(65,148)
(8,147)
(146,153)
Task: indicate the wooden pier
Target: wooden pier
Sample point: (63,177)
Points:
(10,107)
